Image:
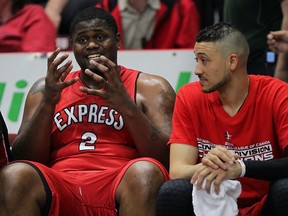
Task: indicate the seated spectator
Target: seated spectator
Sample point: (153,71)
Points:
(25,28)
(155,24)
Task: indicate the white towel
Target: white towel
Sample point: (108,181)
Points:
(222,204)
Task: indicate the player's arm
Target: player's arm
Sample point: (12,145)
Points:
(183,161)
(150,123)
(149,120)
(33,139)
(268,170)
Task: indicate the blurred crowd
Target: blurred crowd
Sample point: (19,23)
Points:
(41,26)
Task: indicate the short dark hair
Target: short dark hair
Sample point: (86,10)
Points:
(91,13)
(228,36)
(216,32)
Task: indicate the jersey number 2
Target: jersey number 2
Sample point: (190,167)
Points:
(89,141)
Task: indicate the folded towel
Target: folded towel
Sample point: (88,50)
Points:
(222,204)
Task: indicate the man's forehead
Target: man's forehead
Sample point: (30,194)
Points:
(204,47)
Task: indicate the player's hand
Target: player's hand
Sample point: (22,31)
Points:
(110,85)
(215,177)
(56,74)
(219,157)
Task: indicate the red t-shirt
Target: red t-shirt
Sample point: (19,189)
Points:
(257,132)
(29,30)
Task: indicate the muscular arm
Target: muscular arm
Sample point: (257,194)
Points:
(33,140)
(150,122)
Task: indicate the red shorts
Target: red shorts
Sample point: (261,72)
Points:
(86,192)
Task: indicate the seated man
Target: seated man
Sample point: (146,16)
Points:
(228,111)
(91,141)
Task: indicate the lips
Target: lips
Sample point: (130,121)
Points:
(93,56)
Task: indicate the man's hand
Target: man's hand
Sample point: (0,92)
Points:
(215,176)
(219,157)
(278,41)
(110,85)
(54,81)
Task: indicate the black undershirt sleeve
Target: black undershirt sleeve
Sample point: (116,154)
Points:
(268,170)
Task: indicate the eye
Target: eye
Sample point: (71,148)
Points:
(99,37)
(82,40)
(204,60)
(196,59)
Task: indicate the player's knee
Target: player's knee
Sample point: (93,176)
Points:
(16,178)
(145,177)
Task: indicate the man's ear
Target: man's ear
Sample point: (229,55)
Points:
(233,61)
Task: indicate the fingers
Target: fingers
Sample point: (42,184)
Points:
(206,175)
(278,41)
(219,157)
(107,67)
(53,65)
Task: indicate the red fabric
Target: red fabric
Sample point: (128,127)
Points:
(178,29)
(30,30)
(91,149)
(257,132)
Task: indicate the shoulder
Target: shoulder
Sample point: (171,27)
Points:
(268,89)
(268,83)
(152,81)
(38,86)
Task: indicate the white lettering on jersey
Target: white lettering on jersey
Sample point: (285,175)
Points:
(260,151)
(92,113)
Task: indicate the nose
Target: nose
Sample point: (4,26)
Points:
(92,44)
(198,70)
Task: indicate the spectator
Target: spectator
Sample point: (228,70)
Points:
(277,40)
(53,9)
(228,111)
(155,24)
(25,28)
(255,19)
(91,137)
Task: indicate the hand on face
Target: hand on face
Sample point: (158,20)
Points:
(54,81)
(109,86)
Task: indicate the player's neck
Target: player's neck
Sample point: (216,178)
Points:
(234,97)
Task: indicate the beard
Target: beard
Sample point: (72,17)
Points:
(216,86)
